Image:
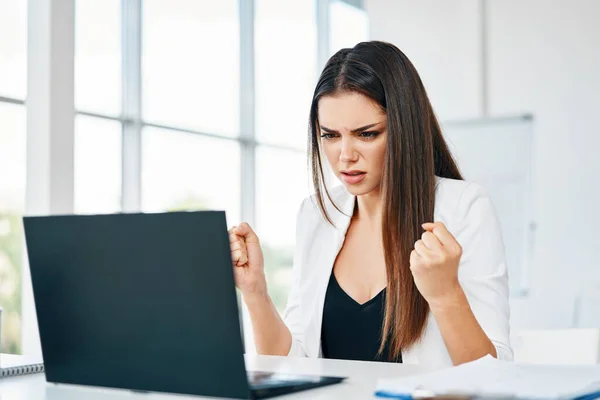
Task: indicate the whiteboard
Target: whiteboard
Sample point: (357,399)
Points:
(497,154)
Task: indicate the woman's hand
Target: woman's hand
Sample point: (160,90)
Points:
(248,262)
(271,335)
(434,265)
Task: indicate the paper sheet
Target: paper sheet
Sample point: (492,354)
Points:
(490,377)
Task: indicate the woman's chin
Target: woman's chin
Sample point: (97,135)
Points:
(358,189)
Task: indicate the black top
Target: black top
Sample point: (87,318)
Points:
(352,331)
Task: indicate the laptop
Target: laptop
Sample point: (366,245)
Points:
(145,302)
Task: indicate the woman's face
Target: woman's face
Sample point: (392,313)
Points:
(353,138)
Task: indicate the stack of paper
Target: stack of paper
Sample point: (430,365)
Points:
(488,377)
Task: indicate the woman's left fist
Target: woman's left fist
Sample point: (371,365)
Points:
(434,264)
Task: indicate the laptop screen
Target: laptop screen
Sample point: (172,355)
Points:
(138,301)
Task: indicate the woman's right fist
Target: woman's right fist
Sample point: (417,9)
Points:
(248,262)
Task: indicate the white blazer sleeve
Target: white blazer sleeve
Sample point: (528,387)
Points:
(482,272)
(292,315)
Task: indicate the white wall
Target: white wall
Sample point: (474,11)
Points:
(542,59)
(442,40)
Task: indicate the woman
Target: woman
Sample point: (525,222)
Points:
(404,262)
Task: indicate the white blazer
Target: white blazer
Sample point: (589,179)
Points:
(469,215)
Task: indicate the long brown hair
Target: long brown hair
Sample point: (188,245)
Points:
(416,152)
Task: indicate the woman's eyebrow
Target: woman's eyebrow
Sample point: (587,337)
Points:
(357,130)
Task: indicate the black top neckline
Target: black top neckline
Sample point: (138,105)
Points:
(363,305)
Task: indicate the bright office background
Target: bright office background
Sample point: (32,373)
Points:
(187,104)
(179,104)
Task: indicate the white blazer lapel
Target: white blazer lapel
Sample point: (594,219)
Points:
(335,240)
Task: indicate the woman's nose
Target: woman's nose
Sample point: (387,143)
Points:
(347,154)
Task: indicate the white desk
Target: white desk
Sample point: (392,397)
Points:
(361,382)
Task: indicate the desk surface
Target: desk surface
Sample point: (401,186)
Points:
(361,382)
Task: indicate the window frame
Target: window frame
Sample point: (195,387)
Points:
(130,118)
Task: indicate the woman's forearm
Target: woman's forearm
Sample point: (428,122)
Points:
(464,338)
(271,335)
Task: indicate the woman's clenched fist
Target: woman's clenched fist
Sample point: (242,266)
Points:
(248,262)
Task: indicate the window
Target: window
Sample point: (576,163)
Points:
(286,70)
(286,74)
(98,56)
(12,201)
(13,89)
(282,183)
(186,171)
(190,95)
(13,48)
(190,64)
(157,125)
(97,165)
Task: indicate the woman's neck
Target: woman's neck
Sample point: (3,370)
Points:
(370,207)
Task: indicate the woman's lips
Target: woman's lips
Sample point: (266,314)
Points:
(353,177)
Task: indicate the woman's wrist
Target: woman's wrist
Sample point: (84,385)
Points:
(454,299)
(256,299)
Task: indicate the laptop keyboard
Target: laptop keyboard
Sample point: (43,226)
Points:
(261,378)
(256,377)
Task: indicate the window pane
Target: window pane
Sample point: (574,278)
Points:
(185,171)
(191,64)
(280,192)
(348,26)
(98,56)
(12,202)
(97,165)
(13,48)
(286,62)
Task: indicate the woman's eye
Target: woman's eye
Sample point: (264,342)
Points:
(369,135)
(328,135)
